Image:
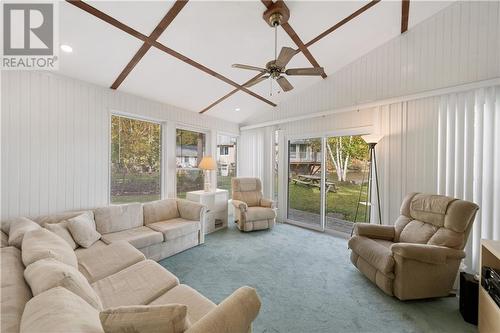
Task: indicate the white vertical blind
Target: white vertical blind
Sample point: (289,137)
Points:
(448,145)
(255,160)
(469,158)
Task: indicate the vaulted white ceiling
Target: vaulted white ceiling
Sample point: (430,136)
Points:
(218,34)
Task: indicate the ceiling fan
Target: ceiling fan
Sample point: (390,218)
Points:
(275,69)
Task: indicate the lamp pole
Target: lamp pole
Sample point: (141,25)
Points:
(372,141)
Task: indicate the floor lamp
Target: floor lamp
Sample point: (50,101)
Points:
(372,141)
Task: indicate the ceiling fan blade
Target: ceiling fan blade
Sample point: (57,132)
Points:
(251,68)
(286,54)
(257,80)
(284,83)
(305,71)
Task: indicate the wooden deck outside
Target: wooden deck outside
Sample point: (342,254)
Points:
(332,223)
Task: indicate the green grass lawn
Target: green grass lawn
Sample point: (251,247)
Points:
(344,201)
(134,198)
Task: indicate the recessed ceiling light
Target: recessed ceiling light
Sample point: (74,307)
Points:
(237,109)
(66,48)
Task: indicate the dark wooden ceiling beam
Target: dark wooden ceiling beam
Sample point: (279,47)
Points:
(229,94)
(207,70)
(160,28)
(405,14)
(342,22)
(311,42)
(108,19)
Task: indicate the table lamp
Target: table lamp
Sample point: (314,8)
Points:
(207,164)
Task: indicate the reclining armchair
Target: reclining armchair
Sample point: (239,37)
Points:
(419,256)
(252,212)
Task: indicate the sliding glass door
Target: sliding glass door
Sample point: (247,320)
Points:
(327,182)
(346,182)
(305,158)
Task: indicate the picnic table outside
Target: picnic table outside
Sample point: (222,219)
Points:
(312,180)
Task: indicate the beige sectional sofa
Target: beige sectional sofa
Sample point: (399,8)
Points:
(51,285)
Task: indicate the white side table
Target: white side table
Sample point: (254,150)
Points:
(216,202)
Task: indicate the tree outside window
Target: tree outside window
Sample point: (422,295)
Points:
(135,160)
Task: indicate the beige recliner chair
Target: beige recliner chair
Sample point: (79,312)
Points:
(419,256)
(251,210)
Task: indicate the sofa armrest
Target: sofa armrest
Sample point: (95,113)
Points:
(242,206)
(235,314)
(267,203)
(385,232)
(190,210)
(431,254)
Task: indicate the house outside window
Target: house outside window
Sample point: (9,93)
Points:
(190,149)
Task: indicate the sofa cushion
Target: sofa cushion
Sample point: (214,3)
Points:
(59,310)
(82,228)
(430,208)
(197,304)
(248,190)
(260,213)
(378,255)
(160,210)
(40,244)
(15,291)
(175,228)
(190,210)
(4,240)
(18,228)
(138,237)
(82,250)
(61,230)
(98,262)
(417,232)
(49,273)
(118,217)
(145,319)
(138,284)
(59,217)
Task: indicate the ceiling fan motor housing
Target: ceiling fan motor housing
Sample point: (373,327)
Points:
(276,14)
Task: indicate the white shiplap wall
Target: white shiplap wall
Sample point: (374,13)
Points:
(457,45)
(55,141)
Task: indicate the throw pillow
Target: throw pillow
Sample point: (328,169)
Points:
(59,310)
(82,228)
(41,243)
(49,273)
(61,230)
(18,228)
(169,318)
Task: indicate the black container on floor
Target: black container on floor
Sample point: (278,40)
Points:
(469,295)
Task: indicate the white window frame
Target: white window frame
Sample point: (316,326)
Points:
(207,132)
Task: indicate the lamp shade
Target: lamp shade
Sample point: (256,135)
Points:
(207,163)
(372,138)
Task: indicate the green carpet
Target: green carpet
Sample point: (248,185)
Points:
(306,283)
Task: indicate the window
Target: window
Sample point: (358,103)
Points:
(135,160)
(275,165)
(190,148)
(226,161)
